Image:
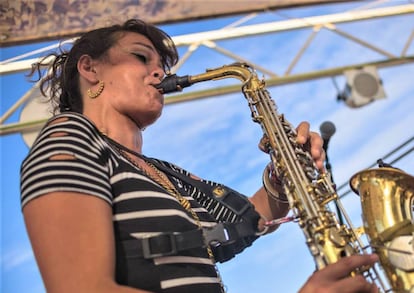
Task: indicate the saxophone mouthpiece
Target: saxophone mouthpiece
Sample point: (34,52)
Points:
(382,164)
(173,83)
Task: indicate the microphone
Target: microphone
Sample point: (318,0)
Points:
(327,129)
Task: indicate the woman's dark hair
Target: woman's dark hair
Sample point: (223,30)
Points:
(61,83)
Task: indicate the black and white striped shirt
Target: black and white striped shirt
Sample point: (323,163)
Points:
(140,206)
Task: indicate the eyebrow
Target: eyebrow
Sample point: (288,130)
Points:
(146,46)
(152,49)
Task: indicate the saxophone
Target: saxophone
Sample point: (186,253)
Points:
(308,191)
(387,197)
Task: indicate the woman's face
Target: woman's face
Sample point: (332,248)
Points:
(130,74)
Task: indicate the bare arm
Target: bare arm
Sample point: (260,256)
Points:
(270,208)
(73,242)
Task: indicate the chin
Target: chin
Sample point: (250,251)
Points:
(149,119)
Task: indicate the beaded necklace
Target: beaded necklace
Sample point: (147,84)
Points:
(165,183)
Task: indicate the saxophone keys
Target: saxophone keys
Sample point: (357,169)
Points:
(359,231)
(336,237)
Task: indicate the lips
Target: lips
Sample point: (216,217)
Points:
(159,90)
(159,94)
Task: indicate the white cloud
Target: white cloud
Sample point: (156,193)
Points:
(16,257)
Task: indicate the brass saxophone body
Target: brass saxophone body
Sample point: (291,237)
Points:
(387,198)
(308,191)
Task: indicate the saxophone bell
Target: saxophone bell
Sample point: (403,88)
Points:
(387,197)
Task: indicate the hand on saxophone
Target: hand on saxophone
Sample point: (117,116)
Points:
(311,140)
(336,278)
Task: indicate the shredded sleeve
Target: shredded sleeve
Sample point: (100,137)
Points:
(68,155)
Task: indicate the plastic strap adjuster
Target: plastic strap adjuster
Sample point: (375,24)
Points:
(165,240)
(217,235)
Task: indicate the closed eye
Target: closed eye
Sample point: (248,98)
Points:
(141,57)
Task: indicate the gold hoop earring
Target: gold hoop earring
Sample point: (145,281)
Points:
(94,95)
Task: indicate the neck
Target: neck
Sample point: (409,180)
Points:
(118,128)
(125,151)
(133,142)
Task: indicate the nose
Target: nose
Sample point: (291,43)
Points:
(158,73)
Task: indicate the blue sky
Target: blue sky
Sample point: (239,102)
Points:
(216,139)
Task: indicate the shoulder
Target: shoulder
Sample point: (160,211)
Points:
(68,155)
(70,120)
(69,134)
(66,127)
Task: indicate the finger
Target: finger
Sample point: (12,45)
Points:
(317,152)
(355,284)
(303,132)
(316,145)
(320,162)
(345,266)
(264,144)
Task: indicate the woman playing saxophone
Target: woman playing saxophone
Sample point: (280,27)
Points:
(103,217)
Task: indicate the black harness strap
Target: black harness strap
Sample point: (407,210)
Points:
(230,198)
(163,244)
(225,239)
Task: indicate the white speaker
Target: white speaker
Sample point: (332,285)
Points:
(34,111)
(363,86)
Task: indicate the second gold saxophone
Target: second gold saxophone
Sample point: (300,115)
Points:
(309,192)
(387,196)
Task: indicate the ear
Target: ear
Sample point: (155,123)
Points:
(86,68)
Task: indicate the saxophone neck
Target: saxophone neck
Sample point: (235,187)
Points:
(174,83)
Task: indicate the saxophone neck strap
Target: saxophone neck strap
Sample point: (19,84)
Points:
(226,239)
(228,197)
